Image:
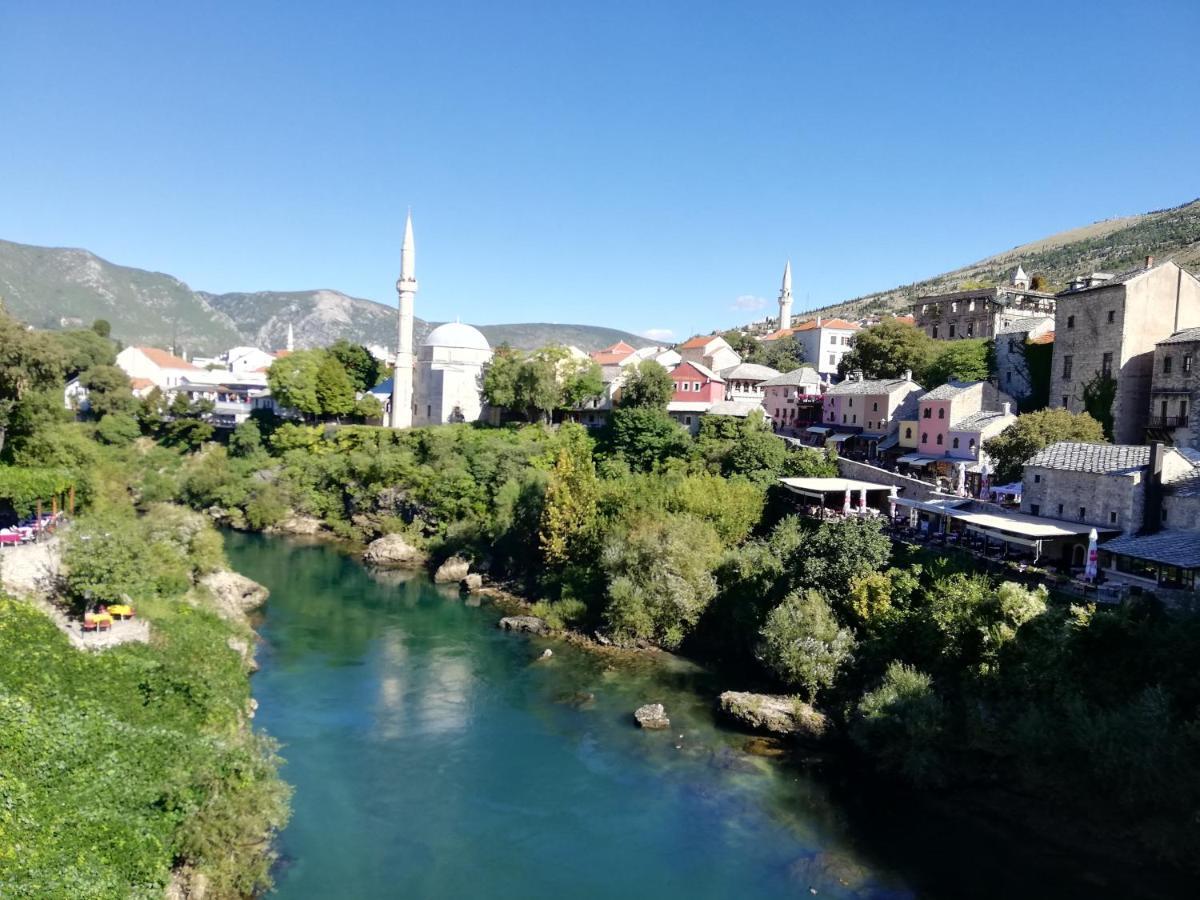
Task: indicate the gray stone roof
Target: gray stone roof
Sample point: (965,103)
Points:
(1119,278)
(950,390)
(980,420)
(1188,335)
(1176,548)
(869,386)
(1024,324)
(1101,459)
(749,372)
(802,375)
(738,408)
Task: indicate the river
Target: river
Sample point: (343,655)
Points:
(435,756)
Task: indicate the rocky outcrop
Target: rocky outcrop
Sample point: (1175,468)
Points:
(652,716)
(235,594)
(528,624)
(472,583)
(774,714)
(394,550)
(452,570)
(297,525)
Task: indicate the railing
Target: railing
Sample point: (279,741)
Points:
(1168,421)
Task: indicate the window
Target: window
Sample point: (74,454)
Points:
(1187,362)
(1166,365)
(875,406)
(833,339)
(1082,513)
(934,334)
(1037,477)
(1012,346)
(939,440)
(1060,509)
(832,361)
(1106,365)
(1164,410)
(1065,403)
(1034,509)
(850,402)
(954,306)
(955,444)
(951,329)
(843,418)
(1112,316)
(970,329)
(1112,518)
(695,386)
(908,434)
(1008,377)
(927,413)
(1068,361)
(924,437)
(687,420)
(1070,321)
(942,413)
(1183,411)
(971,445)
(854,419)
(971,305)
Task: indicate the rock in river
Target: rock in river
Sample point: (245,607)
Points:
(452,570)
(774,714)
(652,715)
(235,594)
(393,550)
(472,583)
(531,624)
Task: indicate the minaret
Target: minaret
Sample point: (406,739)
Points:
(402,378)
(785,298)
(291,339)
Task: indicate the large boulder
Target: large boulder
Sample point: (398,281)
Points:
(528,624)
(652,716)
(472,583)
(235,594)
(774,714)
(297,525)
(452,571)
(394,550)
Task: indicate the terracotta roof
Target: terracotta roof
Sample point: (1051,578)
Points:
(165,360)
(776,335)
(607,356)
(698,343)
(826,323)
(1047,338)
(140,384)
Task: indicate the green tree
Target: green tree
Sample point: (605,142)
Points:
(83,349)
(119,429)
(838,553)
(31,362)
(108,390)
(293,381)
(659,576)
(965,360)
(582,380)
(901,724)
(368,408)
(1099,394)
(360,365)
(803,644)
(246,439)
(1033,431)
(647,385)
(102,328)
(757,453)
(644,436)
(334,388)
(783,355)
(888,350)
(569,511)
(500,378)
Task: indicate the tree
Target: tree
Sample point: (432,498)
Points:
(838,553)
(1033,431)
(888,350)
(803,644)
(368,408)
(659,576)
(83,349)
(246,439)
(360,365)
(757,453)
(538,387)
(966,360)
(647,385)
(102,328)
(900,723)
(643,437)
(1098,397)
(119,429)
(569,511)
(784,355)
(293,381)
(500,378)
(334,388)
(108,390)
(31,362)
(582,380)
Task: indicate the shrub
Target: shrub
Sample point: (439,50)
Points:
(900,724)
(118,429)
(803,644)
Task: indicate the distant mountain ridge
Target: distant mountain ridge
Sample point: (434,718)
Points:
(52,286)
(1114,245)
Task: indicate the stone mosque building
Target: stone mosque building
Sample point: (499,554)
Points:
(443,381)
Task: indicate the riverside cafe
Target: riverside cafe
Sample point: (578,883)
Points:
(960,520)
(846,496)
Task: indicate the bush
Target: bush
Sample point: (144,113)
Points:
(900,724)
(803,644)
(561,614)
(118,429)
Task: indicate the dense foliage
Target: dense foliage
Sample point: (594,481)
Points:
(1033,431)
(534,386)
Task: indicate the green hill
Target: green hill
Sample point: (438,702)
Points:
(54,287)
(1113,245)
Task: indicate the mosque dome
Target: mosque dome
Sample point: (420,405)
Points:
(458,335)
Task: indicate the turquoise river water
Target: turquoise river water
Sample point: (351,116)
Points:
(435,756)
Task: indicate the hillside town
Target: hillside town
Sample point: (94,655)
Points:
(1107,519)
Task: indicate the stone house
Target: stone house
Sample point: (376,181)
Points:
(1107,328)
(745,381)
(981,312)
(165,370)
(709,350)
(825,342)
(697,388)
(1016,345)
(1174,386)
(793,399)
(868,412)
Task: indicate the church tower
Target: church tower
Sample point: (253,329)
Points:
(785,297)
(402,378)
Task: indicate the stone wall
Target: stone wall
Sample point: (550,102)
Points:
(1012,368)
(1099,495)
(908,488)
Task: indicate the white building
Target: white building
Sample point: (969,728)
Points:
(745,381)
(162,369)
(825,342)
(710,350)
(448,382)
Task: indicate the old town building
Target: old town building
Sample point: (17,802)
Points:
(1174,386)
(981,312)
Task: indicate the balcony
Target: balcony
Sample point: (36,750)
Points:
(1168,421)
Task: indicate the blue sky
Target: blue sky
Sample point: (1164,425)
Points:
(641,165)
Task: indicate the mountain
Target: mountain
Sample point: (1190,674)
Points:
(1113,245)
(52,287)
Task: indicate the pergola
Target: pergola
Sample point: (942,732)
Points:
(820,489)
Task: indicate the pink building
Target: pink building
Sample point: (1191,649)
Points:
(867,413)
(697,388)
(792,399)
(954,420)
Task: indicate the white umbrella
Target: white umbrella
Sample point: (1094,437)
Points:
(846,502)
(962,479)
(892,502)
(862,500)
(984,471)
(1090,569)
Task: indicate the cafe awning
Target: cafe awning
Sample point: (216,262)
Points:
(889,442)
(915,459)
(817,429)
(838,438)
(819,488)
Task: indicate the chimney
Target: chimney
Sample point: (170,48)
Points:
(1149,262)
(908,374)
(1152,509)
(1006,408)
(818,321)
(858,375)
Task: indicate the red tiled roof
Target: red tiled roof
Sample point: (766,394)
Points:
(698,343)
(611,356)
(826,323)
(776,335)
(139,384)
(907,320)
(1047,338)
(165,360)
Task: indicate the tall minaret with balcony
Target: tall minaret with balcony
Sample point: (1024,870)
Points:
(402,377)
(785,297)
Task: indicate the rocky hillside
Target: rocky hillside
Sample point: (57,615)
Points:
(51,287)
(1109,246)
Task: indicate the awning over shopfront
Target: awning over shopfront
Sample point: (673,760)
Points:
(1021,525)
(941,507)
(820,488)
(916,459)
(838,438)
(889,442)
(817,429)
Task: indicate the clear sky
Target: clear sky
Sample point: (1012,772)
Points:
(644,165)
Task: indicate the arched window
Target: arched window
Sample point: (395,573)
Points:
(925,437)
(908,434)
(971,445)
(928,412)
(939,440)
(955,444)
(942,413)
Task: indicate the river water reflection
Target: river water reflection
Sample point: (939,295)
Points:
(435,756)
